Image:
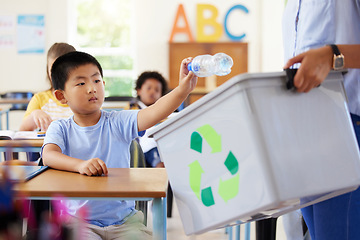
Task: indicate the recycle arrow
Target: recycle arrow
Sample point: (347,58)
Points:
(195,177)
(229,188)
(211,137)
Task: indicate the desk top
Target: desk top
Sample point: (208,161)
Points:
(120,182)
(22,143)
(14,101)
(115,105)
(5,108)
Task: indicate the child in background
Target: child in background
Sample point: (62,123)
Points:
(150,86)
(93,140)
(43,107)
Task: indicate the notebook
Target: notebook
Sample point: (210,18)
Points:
(21,173)
(10,134)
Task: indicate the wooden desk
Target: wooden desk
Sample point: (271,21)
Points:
(23,145)
(14,101)
(115,105)
(121,183)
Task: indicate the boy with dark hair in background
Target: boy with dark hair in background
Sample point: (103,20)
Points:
(150,86)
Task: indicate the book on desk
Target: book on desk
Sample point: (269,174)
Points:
(20,173)
(17,135)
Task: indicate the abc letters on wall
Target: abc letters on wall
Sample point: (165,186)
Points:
(202,22)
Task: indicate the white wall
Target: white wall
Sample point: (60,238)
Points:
(27,72)
(154,21)
(271,56)
(262,26)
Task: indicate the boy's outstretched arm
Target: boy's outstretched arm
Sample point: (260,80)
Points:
(53,157)
(167,104)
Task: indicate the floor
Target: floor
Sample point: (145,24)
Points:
(175,230)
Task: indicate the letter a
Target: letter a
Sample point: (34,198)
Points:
(176,29)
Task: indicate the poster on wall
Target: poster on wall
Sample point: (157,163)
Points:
(7,31)
(31,34)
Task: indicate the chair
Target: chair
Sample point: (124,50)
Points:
(6,112)
(16,162)
(229,231)
(18,96)
(137,160)
(137,157)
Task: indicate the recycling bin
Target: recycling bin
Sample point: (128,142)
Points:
(252,149)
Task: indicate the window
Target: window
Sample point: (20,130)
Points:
(104,31)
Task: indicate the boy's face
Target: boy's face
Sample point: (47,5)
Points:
(150,91)
(84,90)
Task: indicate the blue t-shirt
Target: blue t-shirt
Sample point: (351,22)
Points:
(108,140)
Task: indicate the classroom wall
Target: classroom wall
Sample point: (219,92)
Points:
(262,26)
(27,72)
(154,21)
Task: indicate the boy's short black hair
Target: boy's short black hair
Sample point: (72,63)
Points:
(151,74)
(64,64)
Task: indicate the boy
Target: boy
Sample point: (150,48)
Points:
(93,140)
(150,86)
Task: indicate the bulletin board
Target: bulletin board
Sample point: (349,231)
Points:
(178,51)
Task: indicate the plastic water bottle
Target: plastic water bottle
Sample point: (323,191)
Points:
(206,65)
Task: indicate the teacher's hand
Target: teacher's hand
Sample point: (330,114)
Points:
(315,66)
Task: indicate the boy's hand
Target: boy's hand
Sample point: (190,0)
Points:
(92,167)
(41,119)
(167,104)
(187,79)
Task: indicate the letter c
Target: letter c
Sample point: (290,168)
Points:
(231,36)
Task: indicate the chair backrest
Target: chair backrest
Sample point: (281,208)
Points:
(137,157)
(18,96)
(137,160)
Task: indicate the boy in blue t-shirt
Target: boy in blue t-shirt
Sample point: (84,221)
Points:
(93,140)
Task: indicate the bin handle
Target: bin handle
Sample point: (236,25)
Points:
(290,74)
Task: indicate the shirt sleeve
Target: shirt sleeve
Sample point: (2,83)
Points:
(55,135)
(127,124)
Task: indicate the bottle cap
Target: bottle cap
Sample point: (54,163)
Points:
(189,66)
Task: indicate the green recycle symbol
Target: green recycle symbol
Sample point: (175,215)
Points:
(229,188)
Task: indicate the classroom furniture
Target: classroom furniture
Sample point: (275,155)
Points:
(109,106)
(137,157)
(19,100)
(117,103)
(9,104)
(6,112)
(229,231)
(120,183)
(137,160)
(23,145)
(13,101)
(178,51)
